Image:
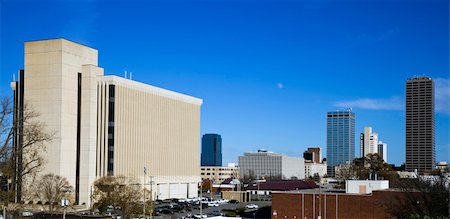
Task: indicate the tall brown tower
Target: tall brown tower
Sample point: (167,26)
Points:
(420,148)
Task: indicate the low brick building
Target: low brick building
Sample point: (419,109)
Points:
(313,203)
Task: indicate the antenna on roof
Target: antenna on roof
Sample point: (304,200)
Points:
(125,74)
(131,75)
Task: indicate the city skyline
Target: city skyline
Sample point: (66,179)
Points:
(267,72)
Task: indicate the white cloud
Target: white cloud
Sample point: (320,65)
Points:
(442,95)
(393,103)
(280,85)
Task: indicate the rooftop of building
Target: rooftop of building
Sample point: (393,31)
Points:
(282,185)
(419,78)
(116,80)
(332,191)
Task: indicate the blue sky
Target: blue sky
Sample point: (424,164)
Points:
(268,71)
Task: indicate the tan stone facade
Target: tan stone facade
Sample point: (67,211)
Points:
(152,127)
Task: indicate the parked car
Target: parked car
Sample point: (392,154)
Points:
(251,206)
(216,213)
(213,204)
(166,211)
(200,216)
(232,201)
(27,213)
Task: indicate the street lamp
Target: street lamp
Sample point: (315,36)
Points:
(65,201)
(145,176)
(201,198)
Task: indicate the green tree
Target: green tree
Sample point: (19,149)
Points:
(368,167)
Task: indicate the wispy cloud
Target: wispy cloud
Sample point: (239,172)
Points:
(442,95)
(393,103)
(442,100)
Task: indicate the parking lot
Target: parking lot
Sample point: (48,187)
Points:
(209,211)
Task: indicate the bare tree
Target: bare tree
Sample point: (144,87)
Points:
(421,198)
(52,189)
(23,139)
(118,192)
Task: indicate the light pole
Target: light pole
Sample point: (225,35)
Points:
(201,198)
(151,197)
(145,176)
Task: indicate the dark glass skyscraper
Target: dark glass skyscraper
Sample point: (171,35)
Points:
(340,139)
(420,149)
(211,150)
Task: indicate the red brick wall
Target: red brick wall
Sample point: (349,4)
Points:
(348,206)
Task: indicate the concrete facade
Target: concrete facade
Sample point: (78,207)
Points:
(365,186)
(268,164)
(368,142)
(152,128)
(219,174)
(53,70)
(315,168)
(382,150)
(108,125)
(420,125)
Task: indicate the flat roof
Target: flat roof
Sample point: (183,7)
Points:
(116,80)
(330,192)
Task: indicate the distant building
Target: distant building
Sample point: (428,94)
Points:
(211,150)
(365,186)
(340,138)
(311,169)
(313,154)
(343,170)
(420,138)
(443,166)
(267,187)
(313,163)
(382,150)
(368,142)
(266,164)
(218,174)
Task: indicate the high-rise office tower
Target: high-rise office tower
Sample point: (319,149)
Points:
(368,142)
(382,150)
(340,139)
(211,150)
(420,151)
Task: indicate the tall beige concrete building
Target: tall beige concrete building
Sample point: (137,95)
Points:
(368,142)
(108,125)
